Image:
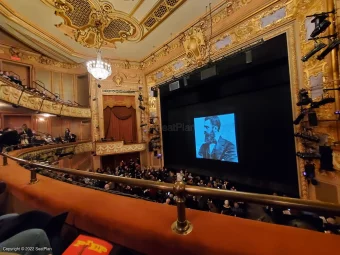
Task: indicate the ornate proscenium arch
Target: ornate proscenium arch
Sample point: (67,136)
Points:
(95,23)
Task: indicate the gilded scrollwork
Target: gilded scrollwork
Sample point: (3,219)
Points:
(109,148)
(195,46)
(95,24)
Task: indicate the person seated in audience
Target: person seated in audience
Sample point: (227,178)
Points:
(14,78)
(27,132)
(167,201)
(238,211)
(67,135)
(226,208)
(133,169)
(35,239)
(5,75)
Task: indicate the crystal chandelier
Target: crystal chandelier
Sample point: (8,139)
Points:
(98,68)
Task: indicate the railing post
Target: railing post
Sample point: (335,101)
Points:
(181,226)
(33,176)
(4,160)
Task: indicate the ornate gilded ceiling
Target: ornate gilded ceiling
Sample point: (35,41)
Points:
(95,24)
(125,29)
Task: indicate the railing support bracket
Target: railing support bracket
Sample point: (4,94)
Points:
(34,178)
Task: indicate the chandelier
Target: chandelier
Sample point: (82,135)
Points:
(98,68)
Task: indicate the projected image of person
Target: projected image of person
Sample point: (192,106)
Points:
(218,143)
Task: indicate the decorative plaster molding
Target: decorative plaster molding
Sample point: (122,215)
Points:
(95,24)
(109,148)
(34,58)
(236,37)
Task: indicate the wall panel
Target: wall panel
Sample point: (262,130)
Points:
(42,125)
(45,77)
(16,121)
(67,87)
(86,131)
(56,84)
(56,127)
(83,90)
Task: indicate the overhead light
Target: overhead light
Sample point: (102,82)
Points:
(46,115)
(321,24)
(99,69)
(334,44)
(316,49)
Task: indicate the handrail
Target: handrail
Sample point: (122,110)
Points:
(182,226)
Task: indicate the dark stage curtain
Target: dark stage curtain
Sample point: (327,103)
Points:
(120,123)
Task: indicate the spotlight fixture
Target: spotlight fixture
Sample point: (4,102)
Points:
(323,101)
(308,137)
(142,108)
(321,24)
(316,49)
(140,97)
(304,98)
(334,44)
(300,117)
(143,125)
(308,155)
(99,86)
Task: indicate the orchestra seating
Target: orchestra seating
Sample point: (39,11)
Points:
(145,226)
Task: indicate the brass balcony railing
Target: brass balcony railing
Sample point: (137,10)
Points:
(182,225)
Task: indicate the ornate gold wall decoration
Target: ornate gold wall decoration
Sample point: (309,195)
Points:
(15,53)
(109,148)
(37,58)
(118,100)
(241,34)
(176,47)
(119,78)
(195,46)
(95,24)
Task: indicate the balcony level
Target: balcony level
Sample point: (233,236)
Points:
(20,96)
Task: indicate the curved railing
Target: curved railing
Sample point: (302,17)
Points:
(19,96)
(182,225)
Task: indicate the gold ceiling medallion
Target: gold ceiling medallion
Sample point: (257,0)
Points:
(195,46)
(95,23)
